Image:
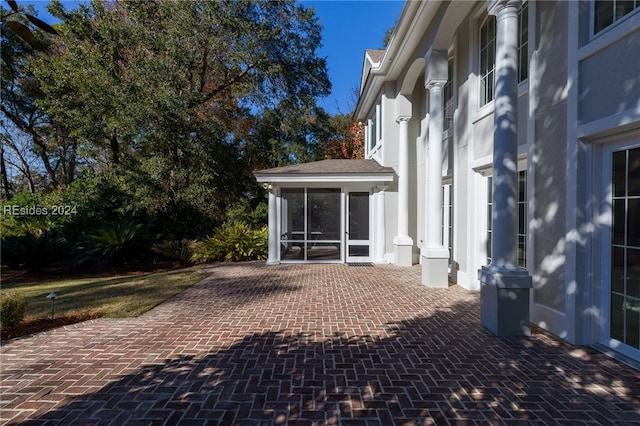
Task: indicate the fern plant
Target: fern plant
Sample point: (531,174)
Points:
(235,242)
(33,250)
(114,242)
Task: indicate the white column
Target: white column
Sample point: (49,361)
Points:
(402,242)
(380,228)
(273,258)
(435,257)
(505,288)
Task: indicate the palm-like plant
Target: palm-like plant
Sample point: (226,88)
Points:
(234,243)
(114,242)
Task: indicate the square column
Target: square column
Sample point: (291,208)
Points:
(403,243)
(505,288)
(380,228)
(273,258)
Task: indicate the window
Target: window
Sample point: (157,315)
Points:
(489,217)
(373,125)
(487,59)
(488,53)
(523,43)
(448,97)
(522,219)
(310,224)
(608,12)
(447,219)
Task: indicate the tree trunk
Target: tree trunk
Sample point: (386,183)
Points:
(71,168)
(3,172)
(115,147)
(39,143)
(42,152)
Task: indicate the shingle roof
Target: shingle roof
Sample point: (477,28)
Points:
(376,55)
(329,167)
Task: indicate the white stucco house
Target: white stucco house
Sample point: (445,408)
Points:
(502,154)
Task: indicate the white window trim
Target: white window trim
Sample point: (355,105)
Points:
(602,224)
(479,60)
(486,170)
(612,34)
(592,14)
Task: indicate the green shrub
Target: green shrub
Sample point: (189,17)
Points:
(254,213)
(180,250)
(13,307)
(33,250)
(26,213)
(234,243)
(114,242)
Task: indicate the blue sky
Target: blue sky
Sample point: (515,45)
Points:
(349,27)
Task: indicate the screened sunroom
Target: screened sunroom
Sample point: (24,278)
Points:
(324,211)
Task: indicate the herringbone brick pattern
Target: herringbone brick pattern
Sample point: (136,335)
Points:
(309,344)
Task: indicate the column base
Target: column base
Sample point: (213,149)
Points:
(403,247)
(435,267)
(504,300)
(273,262)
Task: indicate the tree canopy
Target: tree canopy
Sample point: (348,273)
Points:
(162,110)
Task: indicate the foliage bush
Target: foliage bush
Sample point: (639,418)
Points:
(114,242)
(28,213)
(252,212)
(179,250)
(33,250)
(13,307)
(234,242)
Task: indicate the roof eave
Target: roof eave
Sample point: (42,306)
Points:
(325,177)
(414,13)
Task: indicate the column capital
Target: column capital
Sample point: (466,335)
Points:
(496,6)
(434,84)
(403,119)
(382,188)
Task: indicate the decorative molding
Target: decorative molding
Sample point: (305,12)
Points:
(435,84)
(496,6)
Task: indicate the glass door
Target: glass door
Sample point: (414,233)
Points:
(625,248)
(358,224)
(620,249)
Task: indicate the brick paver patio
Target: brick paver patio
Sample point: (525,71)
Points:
(310,344)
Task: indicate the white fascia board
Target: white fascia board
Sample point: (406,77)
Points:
(415,17)
(278,179)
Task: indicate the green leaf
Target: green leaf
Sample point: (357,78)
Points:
(23,32)
(41,24)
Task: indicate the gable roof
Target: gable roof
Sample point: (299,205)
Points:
(376,55)
(330,170)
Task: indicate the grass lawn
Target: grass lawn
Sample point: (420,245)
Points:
(114,297)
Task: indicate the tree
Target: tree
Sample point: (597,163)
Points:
(26,128)
(21,23)
(172,96)
(386,39)
(346,139)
